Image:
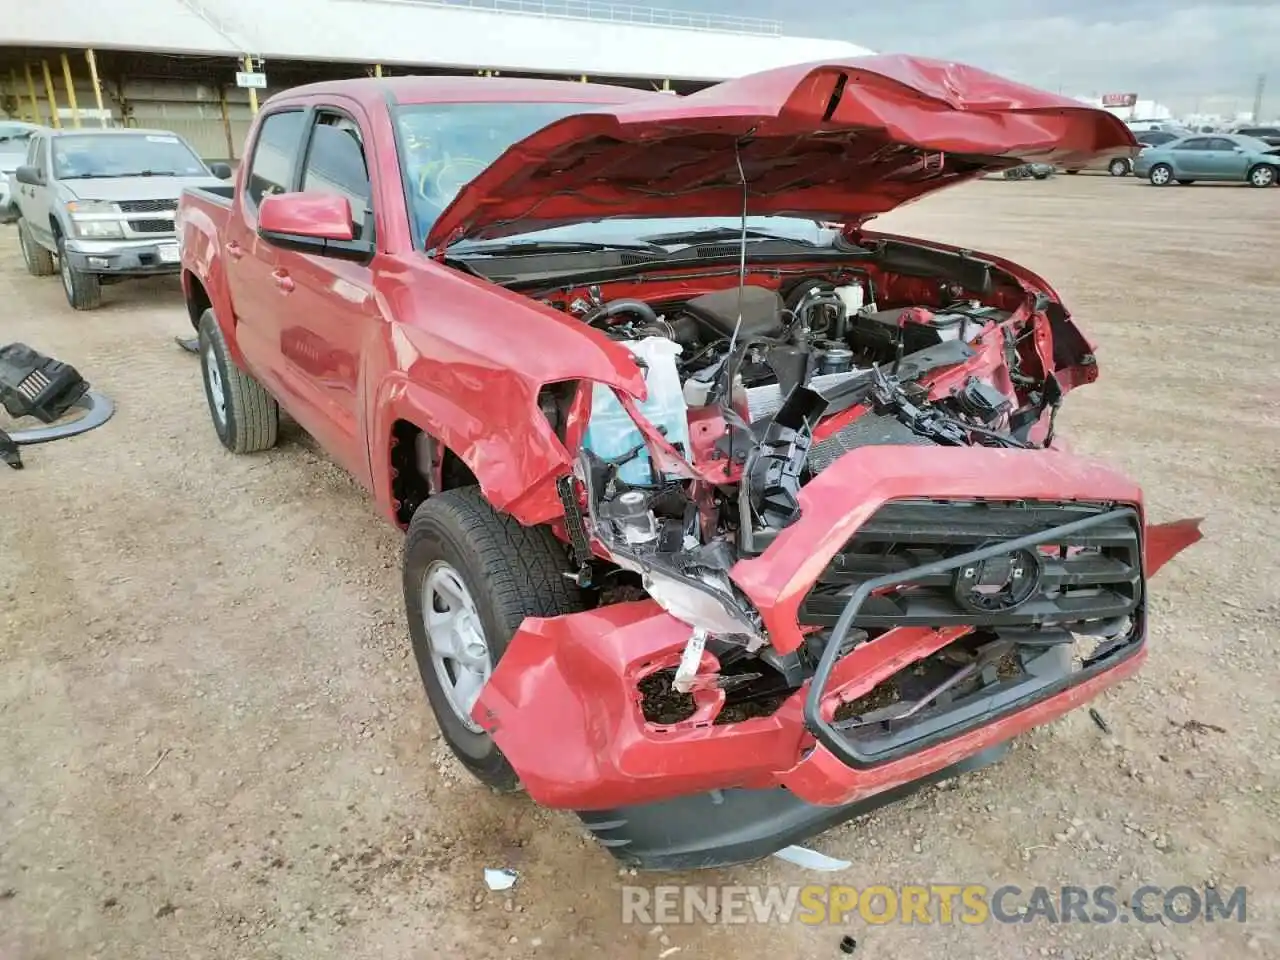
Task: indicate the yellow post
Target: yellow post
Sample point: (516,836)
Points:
(71,91)
(50,95)
(253,92)
(17,93)
(97,85)
(31,92)
(377,69)
(226,123)
(584,78)
(666,84)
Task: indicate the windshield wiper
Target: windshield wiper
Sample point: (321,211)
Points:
(553,246)
(722,233)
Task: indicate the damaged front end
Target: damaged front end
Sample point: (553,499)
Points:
(813,596)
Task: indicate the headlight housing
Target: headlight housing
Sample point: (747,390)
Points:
(95,219)
(702,608)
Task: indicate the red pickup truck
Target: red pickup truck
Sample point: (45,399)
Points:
(726,517)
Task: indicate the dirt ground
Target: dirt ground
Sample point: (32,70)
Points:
(213,743)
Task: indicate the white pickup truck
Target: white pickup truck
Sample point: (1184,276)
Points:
(97,206)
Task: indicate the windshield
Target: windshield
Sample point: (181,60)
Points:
(447,145)
(124,155)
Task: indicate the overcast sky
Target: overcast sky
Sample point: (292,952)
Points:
(1183,53)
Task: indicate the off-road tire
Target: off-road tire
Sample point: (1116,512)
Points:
(39,261)
(251,422)
(511,572)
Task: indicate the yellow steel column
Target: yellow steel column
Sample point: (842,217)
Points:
(377,69)
(17,93)
(253,92)
(71,91)
(31,92)
(226,123)
(97,85)
(50,95)
(584,78)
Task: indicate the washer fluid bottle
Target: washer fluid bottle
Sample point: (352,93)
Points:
(611,433)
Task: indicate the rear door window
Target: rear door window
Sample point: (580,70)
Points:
(275,155)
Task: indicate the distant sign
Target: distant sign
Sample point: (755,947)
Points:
(256,81)
(1119,99)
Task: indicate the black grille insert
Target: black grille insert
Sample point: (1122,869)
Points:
(147,206)
(1096,575)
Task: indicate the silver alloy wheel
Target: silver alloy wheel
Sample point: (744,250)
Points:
(1262,176)
(455,634)
(217,394)
(1119,168)
(22,242)
(65,269)
(1160,176)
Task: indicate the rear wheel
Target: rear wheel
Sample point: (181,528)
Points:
(1118,167)
(38,260)
(1262,175)
(1073,172)
(1161,175)
(83,290)
(1185,183)
(471,576)
(245,417)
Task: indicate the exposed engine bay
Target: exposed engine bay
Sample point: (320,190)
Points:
(754,390)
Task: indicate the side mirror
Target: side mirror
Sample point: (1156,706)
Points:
(221,170)
(311,222)
(32,176)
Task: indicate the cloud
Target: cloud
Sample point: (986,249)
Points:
(1188,55)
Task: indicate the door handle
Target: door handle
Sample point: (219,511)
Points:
(283,280)
(234,250)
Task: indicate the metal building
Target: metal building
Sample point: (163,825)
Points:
(175,63)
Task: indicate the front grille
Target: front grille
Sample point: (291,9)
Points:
(147,206)
(151,226)
(1096,575)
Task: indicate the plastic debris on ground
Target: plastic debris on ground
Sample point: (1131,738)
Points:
(499,879)
(812,859)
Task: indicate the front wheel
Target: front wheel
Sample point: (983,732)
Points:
(38,260)
(83,290)
(471,576)
(1118,168)
(1161,175)
(1262,176)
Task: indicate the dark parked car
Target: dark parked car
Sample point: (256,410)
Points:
(1269,135)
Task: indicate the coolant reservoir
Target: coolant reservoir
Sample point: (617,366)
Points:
(611,434)
(851,296)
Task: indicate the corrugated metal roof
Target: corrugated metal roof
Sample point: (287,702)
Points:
(562,36)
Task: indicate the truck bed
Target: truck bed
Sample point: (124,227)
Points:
(220,195)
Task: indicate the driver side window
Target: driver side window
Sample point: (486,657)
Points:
(336,163)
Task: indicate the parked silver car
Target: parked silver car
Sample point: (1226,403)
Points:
(102,202)
(15,136)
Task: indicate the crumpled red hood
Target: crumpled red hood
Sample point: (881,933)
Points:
(842,140)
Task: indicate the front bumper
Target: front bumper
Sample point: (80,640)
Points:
(125,257)
(564,707)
